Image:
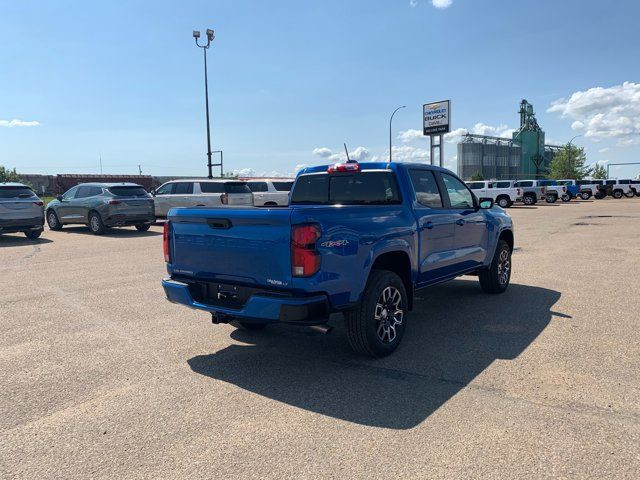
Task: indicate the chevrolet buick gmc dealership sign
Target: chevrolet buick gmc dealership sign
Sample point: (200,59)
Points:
(436,118)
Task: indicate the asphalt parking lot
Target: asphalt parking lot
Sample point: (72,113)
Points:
(100,377)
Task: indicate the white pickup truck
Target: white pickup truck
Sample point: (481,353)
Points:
(502,192)
(554,191)
(635,186)
(588,187)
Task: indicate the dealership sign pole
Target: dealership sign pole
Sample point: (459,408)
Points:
(436,121)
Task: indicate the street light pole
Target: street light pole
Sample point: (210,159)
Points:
(390,140)
(210,37)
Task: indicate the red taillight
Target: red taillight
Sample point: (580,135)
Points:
(114,202)
(305,260)
(165,242)
(542,190)
(343,167)
(40,204)
(518,192)
(564,189)
(224,199)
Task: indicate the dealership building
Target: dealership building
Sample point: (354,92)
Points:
(524,155)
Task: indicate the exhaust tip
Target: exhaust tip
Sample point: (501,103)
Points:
(323,329)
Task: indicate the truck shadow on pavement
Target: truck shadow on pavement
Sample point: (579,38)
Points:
(454,333)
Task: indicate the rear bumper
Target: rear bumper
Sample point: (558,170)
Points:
(21,224)
(124,219)
(259,308)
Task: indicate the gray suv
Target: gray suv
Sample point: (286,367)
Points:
(20,210)
(102,205)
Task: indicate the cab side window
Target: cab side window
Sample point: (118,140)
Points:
(459,195)
(165,189)
(426,187)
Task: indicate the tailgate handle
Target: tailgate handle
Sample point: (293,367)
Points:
(223,223)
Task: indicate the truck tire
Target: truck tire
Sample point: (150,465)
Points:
(551,198)
(529,199)
(585,195)
(504,201)
(495,278)
(376,325)
(617,194)
(566,197)
(53,221)
(144,227)
(95,224)
(630,194)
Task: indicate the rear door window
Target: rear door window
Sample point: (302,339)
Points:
(128,191)
(524,184)
(282,186)
(211,187)
(476,185)
(183,188)
(426,188)
(236,187)
(10,191)
(258,186)
(502,184)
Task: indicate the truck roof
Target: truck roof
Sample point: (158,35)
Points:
(393,166)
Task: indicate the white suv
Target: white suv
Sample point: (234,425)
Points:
(200,193)
(623,187)
(270,193)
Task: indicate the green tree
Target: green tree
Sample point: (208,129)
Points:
(599,171)
(477,177)
(7,175)
(569,162)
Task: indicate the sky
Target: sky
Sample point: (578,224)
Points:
(290,81)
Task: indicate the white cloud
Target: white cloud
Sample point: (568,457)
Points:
(413,3)
(360,154)
(407,153)
(602,113)
(299,167)
(322,152)
(499,131)
(455,135)
(441,3)
(18,123)
(412,134)
(603,150)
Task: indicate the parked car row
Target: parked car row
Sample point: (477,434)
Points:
(507,192)
(104,205)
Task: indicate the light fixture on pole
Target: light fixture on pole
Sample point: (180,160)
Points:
(205,47)
(390,140)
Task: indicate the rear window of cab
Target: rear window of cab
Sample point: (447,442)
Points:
(362,188)
(128,191)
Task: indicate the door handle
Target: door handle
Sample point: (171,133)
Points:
(460,222)
(428,226)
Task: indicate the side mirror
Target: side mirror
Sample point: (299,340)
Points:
(152,192)
(486,203)
(59,198)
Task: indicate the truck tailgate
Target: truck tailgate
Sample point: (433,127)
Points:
(247,245)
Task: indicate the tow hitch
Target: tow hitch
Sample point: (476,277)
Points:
(217,318)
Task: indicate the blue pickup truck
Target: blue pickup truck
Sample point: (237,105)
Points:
(357,238)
